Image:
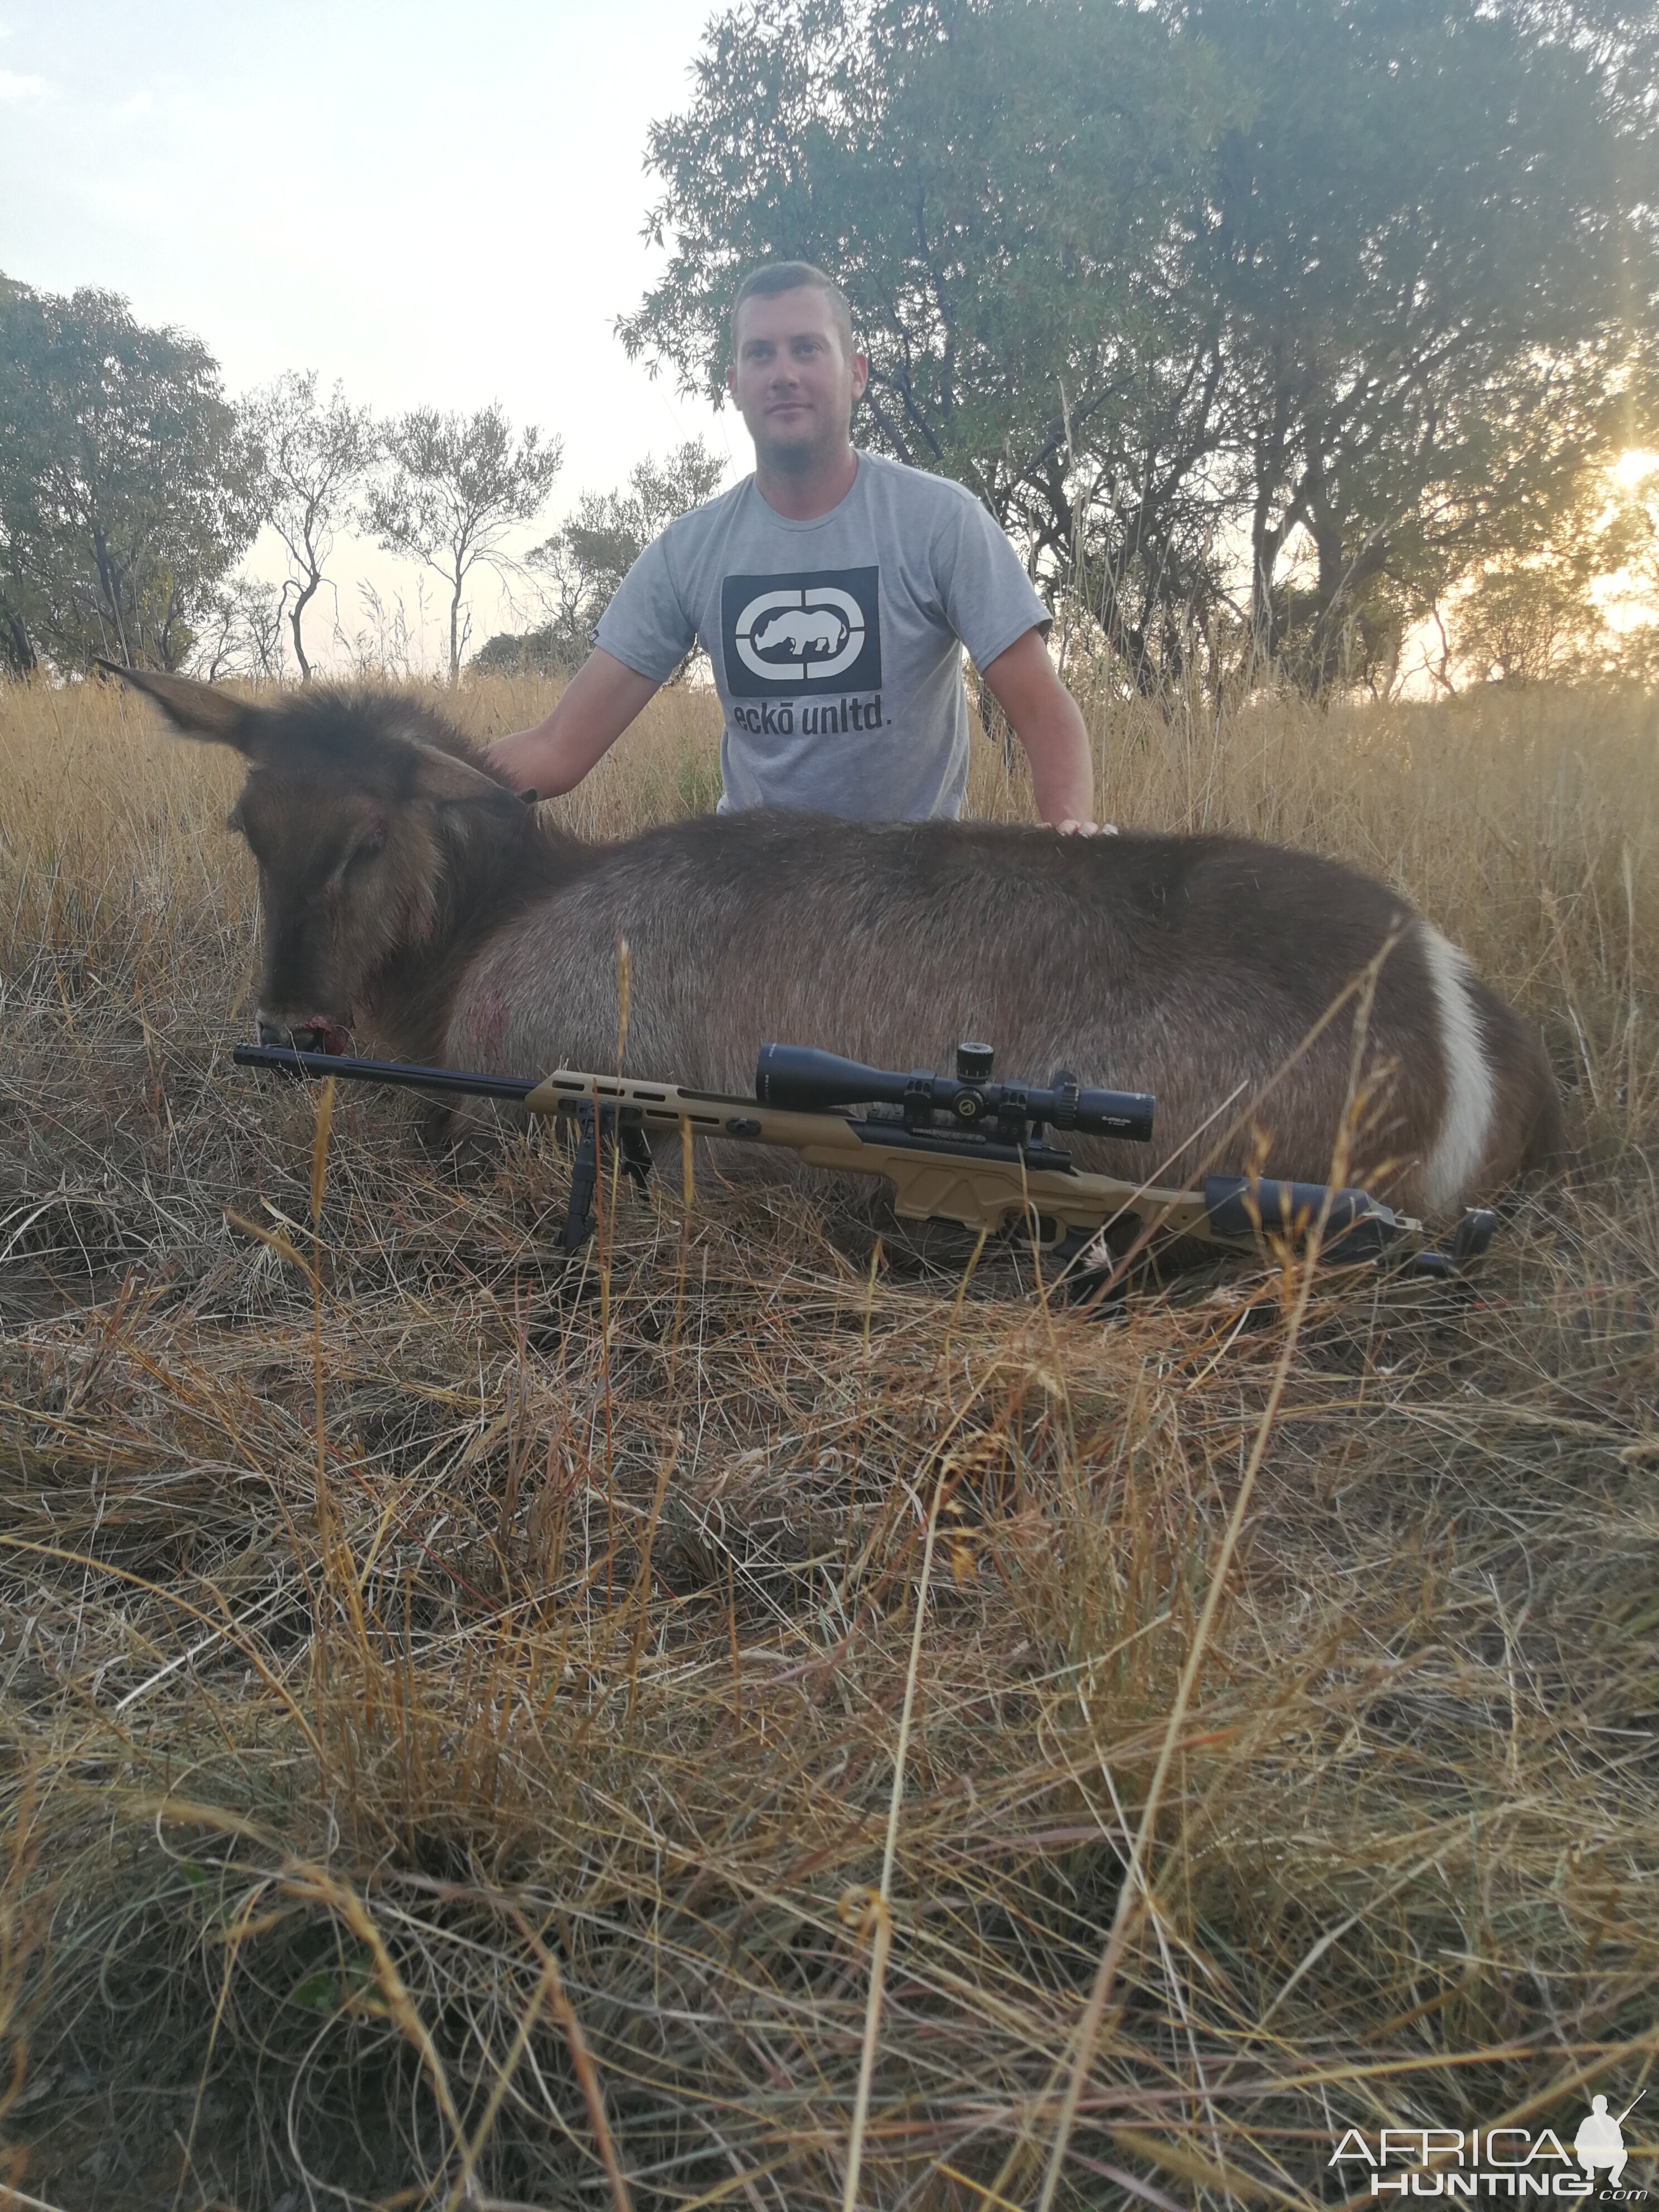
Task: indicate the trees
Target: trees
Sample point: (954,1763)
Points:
(1003,191)
(1545,616)
(1423,245)
(580,565)
(458,484)
(584,561)
(1273,315)
(1265,325)
(241,632)
(125,482)
(312,460)
(610,530)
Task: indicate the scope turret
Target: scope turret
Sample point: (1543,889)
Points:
(807,1081)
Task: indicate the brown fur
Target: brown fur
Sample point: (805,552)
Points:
(409,895)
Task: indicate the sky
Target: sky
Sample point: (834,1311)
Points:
(435,204)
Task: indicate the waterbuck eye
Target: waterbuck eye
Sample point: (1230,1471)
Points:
(233,821)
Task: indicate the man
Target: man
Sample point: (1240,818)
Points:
(1600,2141)
(833,591)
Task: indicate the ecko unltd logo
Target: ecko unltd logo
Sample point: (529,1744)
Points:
(1486,2163)
(786,635)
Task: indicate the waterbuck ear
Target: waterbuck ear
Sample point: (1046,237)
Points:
(195,710)
(441,776)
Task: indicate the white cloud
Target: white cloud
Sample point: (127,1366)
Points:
(140,104)
(13,87)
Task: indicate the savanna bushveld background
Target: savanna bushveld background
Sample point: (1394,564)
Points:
(773,1714)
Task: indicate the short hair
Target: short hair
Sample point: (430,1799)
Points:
(775,277)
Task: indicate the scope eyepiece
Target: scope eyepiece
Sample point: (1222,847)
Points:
(803,1080)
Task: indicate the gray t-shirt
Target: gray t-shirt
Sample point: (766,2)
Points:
(836,643)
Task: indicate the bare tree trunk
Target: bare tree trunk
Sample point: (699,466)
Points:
(18,647)
(1343,579)
(301,604)
(112,592)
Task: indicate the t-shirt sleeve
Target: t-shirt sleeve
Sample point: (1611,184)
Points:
(647,625)
(988,599)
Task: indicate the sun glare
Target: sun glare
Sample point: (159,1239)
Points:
(1630,468)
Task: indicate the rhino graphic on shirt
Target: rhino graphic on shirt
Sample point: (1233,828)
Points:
(800,626)
(806,634)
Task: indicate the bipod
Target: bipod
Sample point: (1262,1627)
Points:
(609,1125)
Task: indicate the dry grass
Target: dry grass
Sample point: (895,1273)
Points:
(456,1709)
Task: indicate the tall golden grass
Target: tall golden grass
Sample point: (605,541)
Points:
(671,1731)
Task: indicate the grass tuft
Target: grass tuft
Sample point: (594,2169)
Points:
(479,1733)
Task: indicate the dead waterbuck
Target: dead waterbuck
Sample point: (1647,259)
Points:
(408,897)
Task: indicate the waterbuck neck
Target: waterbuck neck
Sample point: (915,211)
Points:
(485,879)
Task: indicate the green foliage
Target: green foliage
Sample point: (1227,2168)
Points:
(580,565)
(126,483)
(1542,618)
(584,563)
(457,482)
(611,530)
(541,652)
(1261,320)
(1426,244)
(996,188)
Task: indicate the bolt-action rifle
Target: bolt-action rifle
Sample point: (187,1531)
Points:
(959,1148)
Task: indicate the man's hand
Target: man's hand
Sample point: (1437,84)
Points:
(1087,829)
(1046,722)
(598,704)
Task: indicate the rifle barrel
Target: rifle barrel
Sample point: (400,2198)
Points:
(282,1059)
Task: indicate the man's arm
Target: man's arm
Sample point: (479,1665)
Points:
(598,704)
(1046,722)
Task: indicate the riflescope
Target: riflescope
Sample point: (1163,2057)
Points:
(807,1081)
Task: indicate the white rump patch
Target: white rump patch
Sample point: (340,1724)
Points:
(1466,1117)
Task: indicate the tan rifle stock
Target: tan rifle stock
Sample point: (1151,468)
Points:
(985,1193)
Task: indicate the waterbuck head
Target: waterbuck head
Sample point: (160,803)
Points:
(378,844)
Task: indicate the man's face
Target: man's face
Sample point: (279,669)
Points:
(793,381)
